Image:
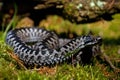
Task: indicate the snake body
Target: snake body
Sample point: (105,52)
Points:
(36,46)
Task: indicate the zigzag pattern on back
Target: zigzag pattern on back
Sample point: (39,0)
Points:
(36,46)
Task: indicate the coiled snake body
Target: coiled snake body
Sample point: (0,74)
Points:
(36,46)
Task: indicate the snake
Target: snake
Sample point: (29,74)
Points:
(40,47)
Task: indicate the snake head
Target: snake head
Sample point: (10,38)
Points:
(92,40)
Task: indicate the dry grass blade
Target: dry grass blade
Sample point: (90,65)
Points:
(46,70)
(16,58)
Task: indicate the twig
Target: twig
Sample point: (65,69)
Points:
(107,59)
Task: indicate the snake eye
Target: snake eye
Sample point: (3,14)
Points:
(88,39)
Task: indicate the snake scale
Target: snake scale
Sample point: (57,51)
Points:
(40,47)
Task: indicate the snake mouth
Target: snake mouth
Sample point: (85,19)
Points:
(99,40)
